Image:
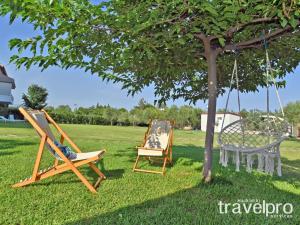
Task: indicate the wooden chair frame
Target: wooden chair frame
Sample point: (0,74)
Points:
(58,168)
(167,153)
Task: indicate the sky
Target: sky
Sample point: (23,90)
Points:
(78,88)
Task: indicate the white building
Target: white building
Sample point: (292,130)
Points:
(229,118)
(6,85)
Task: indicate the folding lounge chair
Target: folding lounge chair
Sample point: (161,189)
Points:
(40,121)
(157,144)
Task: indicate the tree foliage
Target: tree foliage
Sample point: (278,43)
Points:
(292,112)
(36,97)
(139,43)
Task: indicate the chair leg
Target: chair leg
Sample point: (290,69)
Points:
(97,171)
(97,184)
(136,162)
(84,180)
(169,159)
(38,158)
(165,161)
(164,166)
(100,174)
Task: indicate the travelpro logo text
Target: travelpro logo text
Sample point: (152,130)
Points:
(283,210)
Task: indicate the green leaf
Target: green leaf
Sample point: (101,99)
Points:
(283,22)
(293,22)
(14,42)
(208,7)
(12,17)
(222,41)
(181,41)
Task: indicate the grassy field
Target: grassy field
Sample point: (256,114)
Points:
(137,198)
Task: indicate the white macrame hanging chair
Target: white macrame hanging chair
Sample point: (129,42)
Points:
(254,136)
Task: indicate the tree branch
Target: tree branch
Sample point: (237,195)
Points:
(239,27)
(232,48)
(272,35)
(257,42)
(201,36)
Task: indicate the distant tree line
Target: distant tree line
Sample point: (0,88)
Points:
(185,116)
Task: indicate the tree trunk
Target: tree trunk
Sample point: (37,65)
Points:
(211,56)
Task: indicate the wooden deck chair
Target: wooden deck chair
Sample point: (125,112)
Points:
(40,120)
(157,144)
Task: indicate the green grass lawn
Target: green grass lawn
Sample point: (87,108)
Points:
(137,198)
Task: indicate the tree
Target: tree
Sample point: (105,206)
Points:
(136,116)
(36,97)
(292,112)
(123,117)
(63,109)
(185,116)
(110,114)
(183,48)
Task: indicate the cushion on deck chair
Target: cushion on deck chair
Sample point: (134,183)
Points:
(67,151)
(149,152)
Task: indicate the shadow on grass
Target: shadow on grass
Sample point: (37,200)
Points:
(199,204)
(56,180)
(6,146)
(72,178)
(110,174)
(127,152)
(291,171)
(189,154)
(8,153)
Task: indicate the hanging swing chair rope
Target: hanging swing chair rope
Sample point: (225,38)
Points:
(229,92)
(269,68)
(237,88)
(233,75)
(270,77)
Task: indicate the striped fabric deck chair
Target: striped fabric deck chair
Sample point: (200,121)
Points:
(157,144)
(40,121)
